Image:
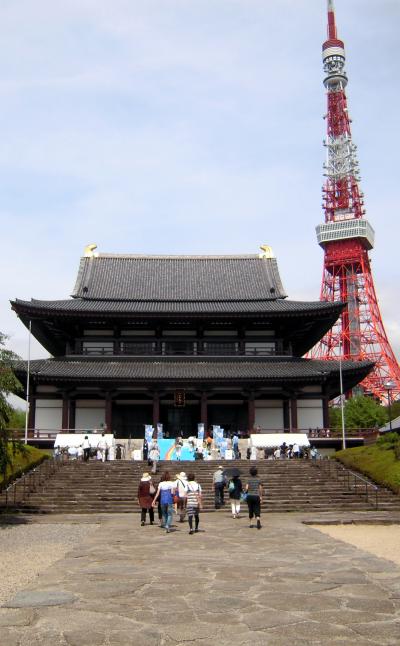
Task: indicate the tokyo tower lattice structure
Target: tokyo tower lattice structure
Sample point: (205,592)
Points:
(346,238)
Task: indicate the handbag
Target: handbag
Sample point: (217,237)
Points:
(152,489)
(243,496)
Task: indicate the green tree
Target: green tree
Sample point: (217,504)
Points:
(359,412)
(364,412)
(335,418)
(17,419)
(8,382)
(9,446)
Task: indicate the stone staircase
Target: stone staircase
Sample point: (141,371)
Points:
(295,485)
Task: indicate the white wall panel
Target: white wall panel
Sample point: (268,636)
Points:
(48,414)
(89,418)
(310,413)
(269,419)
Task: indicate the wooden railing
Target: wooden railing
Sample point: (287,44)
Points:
(179,349)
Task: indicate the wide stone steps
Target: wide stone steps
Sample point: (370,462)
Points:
(112,487)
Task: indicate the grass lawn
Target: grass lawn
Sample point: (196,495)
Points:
(22,463)
(378,461)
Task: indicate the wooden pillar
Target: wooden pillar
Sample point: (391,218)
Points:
(108,413)
(325,411)
(72,413)
(286,416)
(65,412)
(156,409)
(251,413)
(203,410)
(293,414)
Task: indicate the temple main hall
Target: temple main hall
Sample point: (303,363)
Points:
(180,340)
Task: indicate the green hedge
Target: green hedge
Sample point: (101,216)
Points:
(379,461)
(23,463)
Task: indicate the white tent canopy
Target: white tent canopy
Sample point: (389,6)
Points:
(65,440)
(263,440)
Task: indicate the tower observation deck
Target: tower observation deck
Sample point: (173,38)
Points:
(347,237)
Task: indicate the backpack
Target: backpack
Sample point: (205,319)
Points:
(231,487)
(166,497)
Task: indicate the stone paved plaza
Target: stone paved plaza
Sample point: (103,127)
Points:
(287,583)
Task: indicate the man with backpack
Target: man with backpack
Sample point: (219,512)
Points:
(219,486)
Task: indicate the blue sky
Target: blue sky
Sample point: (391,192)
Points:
(186,126)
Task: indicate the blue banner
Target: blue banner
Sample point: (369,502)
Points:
(222,447)
(200,431)
(148,433)
(218,435)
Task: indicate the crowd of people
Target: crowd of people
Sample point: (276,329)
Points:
(183,496)
(104,451)
(101,449)
(283,452)
(201,450)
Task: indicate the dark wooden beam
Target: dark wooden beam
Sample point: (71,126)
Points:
(286,415)
(156,409)
(65,411)
(251,412)
(108,412)
(293,411)
(203,410)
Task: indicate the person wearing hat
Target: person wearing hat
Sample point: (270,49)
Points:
(146,493)
(219,486)
(181,488)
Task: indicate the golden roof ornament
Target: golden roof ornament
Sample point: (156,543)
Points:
(89,251)
(266,252)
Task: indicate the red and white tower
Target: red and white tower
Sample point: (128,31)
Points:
(347,237)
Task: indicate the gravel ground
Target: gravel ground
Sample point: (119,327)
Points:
(380,540)
(26,550)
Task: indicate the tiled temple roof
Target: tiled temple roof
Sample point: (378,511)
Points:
(257,306)
(136,288)
(194,368)
(179,278)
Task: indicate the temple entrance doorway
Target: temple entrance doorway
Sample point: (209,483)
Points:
(128,420)
(180,421)
(231,417)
